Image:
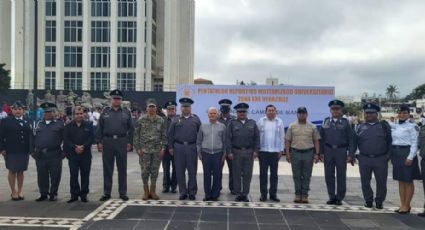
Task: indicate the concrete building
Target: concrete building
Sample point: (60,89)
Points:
(133,45)
(272,81)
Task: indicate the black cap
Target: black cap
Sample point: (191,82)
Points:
(336,104)
(185,101)
(116,93)
(241,107)
(17,104)
(371,108)
(225,102)
(170,104)
(48,106)
(404,108)
(150,102)
(302,109)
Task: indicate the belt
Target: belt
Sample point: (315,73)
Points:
(373,155)
(185,142)
(401,146)
(241,148)
(46,150)
(115,136)
(336,146)
(302,150)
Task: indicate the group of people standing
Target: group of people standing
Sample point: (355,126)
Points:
(178,141)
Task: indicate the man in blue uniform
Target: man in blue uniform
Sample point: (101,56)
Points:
(338,148)
(48,152)
(169,179)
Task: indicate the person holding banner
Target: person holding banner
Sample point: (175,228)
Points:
(338,148)
(302,149)
(225,118)
(272,135)
(243,140)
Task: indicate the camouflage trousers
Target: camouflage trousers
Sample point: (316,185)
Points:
(149,163)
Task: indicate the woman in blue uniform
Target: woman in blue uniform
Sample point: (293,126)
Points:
(15,138)
(403,157)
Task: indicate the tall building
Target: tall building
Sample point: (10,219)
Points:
(133,45)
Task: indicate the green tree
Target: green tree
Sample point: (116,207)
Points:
(392,92)
(4,78)
(417,93)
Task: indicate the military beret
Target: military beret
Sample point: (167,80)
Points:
(336,104)
(150,102)
(170,104)
(241,107)
(116,93)
(302,109)
(186,101)
(371,108)
(17,104)
(225,102)
(48,106)
(404,108)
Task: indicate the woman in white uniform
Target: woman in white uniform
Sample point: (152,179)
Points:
(403,157)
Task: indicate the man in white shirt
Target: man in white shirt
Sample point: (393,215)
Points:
(272,134)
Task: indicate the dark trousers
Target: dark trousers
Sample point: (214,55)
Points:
(79,164)
(186,158)
(336,159)
(379,167)
(169,179)
(423,173)
(243,162)
(49,172)
(268,160)
(212,167)
(114,149)
(302,167)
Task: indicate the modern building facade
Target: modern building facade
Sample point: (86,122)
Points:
(133,45)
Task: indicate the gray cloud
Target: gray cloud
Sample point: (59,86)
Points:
(358,46)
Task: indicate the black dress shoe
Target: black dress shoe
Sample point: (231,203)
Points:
(105,198)
(233,192)
(331,202)
(404,212)
(41,198)
(192,197)
(368,205)
(124,197)
(263,198)
(245,199)
(84,199)
(183,197)
(165,190)
(73,199)
(422,214)
(274,198)
(239,199)
(338,202)
(207,199)
(379,206)
(173,190)
(53,198)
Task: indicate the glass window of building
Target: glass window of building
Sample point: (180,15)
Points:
(100,8)
(73,31)
(99,81)
(127,31)
(49,80)
(154,34)
(73,56)
(126,57)
(73,7)
(50,31)
(126,81)
(50,56)
(73,80)
(127,8)
(50,7)
(100,57)
(100,31)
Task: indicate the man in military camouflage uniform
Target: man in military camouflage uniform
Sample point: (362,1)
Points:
(149,142)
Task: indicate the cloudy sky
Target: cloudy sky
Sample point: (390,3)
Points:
(357,46)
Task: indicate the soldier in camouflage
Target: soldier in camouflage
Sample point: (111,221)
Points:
(150,141)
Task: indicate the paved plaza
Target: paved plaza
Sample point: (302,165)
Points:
(168,213)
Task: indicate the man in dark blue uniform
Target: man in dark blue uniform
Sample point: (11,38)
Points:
(182,145)
(114,139)
(15,138)
(226,118)
(374,141)
(48,152)
(338,148)
(78,139)
(169,179)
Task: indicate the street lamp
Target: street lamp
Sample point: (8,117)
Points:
(35,79)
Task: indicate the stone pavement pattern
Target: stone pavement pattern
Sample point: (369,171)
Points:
(136,214)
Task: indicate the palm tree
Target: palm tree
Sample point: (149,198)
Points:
(392,92)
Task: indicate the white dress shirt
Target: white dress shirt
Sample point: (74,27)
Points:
(272,134)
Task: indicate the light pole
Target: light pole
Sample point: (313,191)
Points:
(35,79)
